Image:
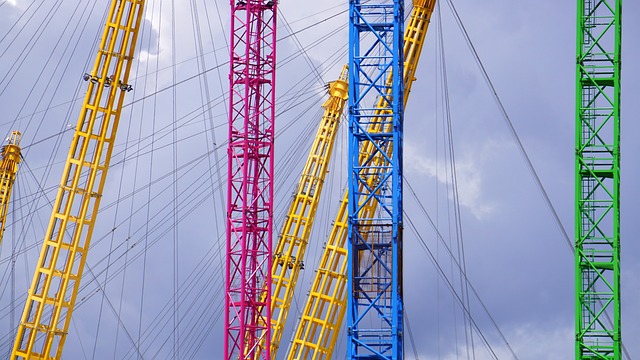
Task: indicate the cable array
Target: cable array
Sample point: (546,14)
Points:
(126,248)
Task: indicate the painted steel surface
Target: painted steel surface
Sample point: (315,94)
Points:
(292,244)
(374,271)
(250,178)
(323,316)
(597,208)
(50,302)
(8,171)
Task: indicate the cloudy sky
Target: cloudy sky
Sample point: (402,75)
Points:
(161,226)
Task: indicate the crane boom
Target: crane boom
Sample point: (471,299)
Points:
(324,311)
(47,313)
(8,170)
(292,244)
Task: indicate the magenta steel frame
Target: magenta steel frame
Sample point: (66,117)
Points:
(250,178)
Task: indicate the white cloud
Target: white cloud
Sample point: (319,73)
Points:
(144,56)
(469,169)
(529,342)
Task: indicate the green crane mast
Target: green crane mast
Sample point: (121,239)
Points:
(597,242)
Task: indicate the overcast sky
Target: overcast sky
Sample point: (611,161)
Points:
(516,258)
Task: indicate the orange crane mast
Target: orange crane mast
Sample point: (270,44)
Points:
(47,313)
(8,171)
(323,315)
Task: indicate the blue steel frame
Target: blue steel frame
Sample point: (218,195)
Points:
(374,305)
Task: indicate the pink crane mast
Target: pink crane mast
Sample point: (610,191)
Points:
(250,178)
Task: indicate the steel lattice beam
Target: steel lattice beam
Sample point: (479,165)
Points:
(294,238)
(50,303)
(597,255)
(323,316)
(250,178)
(374,305)
(11,157)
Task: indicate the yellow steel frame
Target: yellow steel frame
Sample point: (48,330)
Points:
(52,296)
(292,244)
(8,170)
(324,311)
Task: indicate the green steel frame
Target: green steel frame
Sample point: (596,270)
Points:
(597,246)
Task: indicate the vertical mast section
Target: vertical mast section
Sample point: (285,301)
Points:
(323,315)
(374,304)
(52,296)
(597,255)
(8,170)
(250,178)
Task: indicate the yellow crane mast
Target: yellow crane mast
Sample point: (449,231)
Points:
(8,170)
(292,244)
(52,296)
(324,311)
